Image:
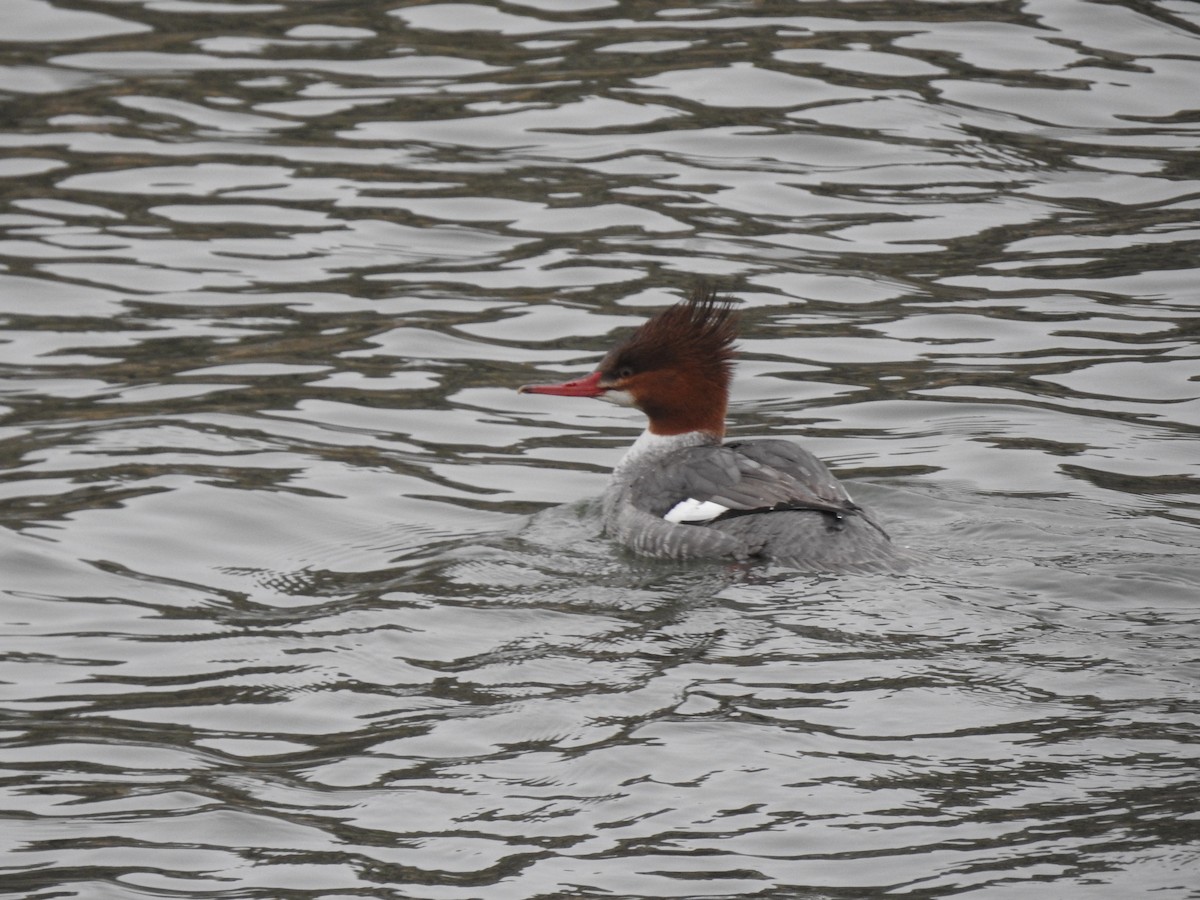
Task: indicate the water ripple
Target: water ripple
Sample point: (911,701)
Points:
(301,599)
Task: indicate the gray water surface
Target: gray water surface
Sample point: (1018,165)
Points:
(300,599)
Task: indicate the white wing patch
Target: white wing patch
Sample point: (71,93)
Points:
(693,511)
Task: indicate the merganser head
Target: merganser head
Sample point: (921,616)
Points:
(676,368)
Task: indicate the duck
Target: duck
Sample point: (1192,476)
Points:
(682,492)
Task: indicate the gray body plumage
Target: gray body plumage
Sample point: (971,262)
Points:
(781,505)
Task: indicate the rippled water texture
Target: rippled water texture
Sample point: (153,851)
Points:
(300,599)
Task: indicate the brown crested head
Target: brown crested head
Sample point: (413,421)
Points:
(677,367)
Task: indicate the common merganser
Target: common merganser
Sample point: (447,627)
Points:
(680,493)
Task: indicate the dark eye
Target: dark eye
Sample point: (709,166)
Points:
(625,372)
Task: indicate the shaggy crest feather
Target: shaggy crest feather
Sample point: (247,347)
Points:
(697,334)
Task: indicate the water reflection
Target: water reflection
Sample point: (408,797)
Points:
(301,599)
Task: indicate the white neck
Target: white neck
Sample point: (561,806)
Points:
(650,445)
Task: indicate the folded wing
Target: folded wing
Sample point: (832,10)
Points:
(709,484)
